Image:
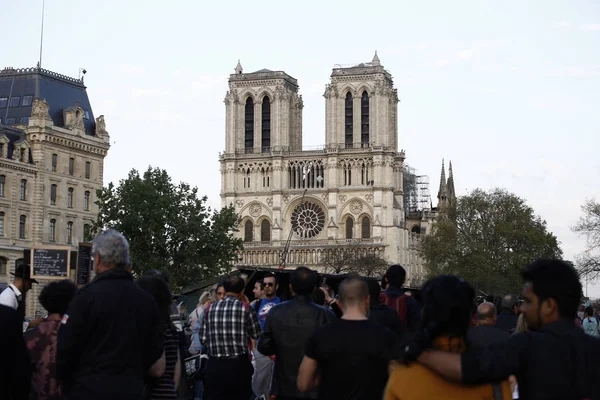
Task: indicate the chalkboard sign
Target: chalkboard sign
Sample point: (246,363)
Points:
(84,263)
(50,262)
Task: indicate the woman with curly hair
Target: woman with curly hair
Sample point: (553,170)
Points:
(446,317)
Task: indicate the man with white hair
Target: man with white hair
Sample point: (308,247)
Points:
(111,335)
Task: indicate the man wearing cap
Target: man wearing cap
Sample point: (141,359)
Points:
(14,295)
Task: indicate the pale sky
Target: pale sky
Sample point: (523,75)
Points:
(507,90)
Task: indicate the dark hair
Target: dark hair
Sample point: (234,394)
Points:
(56,296)
(395,275)
(589,311)
(220,284)
(558,280)
(353,290)
(261,283)
(158,289)
(374,289)
(303,281)
(447,302)
(270,275)
(233,284)
(157,273)
(318,297)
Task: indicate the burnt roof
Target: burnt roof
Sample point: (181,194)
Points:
(60,92)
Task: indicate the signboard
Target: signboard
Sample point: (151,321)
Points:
(50,262)
(84,263)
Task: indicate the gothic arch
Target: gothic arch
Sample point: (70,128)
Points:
(345,209)
(264,207)
(267,93)
(347,88)
(248,94)
(364,88)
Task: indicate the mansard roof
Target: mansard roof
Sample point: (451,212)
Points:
(15,136)
(60,92)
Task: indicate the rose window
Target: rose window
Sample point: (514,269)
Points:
(308,220)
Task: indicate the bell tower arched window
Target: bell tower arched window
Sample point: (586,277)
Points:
(364,120)
(265,231)
(249,124)
(248,228)
(266,124)
(348,120)
(366,227)
(349,228)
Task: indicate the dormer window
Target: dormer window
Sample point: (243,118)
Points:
(86,114)
(3,102)
(15,101)
(27,100)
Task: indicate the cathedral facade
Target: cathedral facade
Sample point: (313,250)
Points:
(305,203)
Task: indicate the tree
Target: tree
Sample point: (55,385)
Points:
(487,238)
(352,259)
(588,262)
(168,227)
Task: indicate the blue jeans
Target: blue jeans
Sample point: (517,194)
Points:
(198,389)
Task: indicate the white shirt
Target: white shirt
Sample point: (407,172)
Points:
(10,298)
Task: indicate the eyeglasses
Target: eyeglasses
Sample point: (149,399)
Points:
(269,284)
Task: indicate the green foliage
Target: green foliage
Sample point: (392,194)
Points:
(487,238)
(169,227)
(588,262)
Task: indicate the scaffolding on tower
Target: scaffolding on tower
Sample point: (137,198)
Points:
(417,197)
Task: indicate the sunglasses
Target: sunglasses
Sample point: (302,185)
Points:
(269,284)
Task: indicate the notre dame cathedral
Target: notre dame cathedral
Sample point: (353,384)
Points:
(348,193)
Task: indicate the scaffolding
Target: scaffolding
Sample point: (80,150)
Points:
(416,191)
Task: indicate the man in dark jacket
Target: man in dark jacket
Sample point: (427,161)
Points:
(287,329)
(111,335)
(486,333)
(393,280)
(15,369)
(507,320)
(382,314)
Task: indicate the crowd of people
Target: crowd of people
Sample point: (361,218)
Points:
(121,338)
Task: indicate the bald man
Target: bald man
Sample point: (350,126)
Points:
(486,333)
(351,353)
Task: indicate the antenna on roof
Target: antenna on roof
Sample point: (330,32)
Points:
(42,34)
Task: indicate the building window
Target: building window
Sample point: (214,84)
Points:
(23,189)
(86,201)
(349,120)
(364,119)
(265,231)
(71,166)
(52,236)
(10,121)
(3,102)
(25,120)
(3,263)
(249,124)
(349,228)
(2,223)
(27,100)
(70,198)
(248,228)
(15,101)
(266,124)
(88,167)
(2,183)
(53,195)
(87,230)
(24,155)
(366,227)
(247,179)
(69,232)
(22,223)
(86,114)
(1,145)
(265,177)
(54,162)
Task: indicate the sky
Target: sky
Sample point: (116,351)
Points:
(507,90)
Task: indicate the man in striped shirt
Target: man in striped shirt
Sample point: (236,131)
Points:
(227,326)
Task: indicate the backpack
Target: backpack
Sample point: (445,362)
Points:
(398,304)
(590,327)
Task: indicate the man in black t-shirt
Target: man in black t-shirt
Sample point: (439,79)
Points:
(352,353)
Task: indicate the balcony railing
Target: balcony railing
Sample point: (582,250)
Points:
(315,242)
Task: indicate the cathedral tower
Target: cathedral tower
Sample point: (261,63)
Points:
(263,112)
(361,107)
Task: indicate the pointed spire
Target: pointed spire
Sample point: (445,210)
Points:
(451,193)
(443,191)
(238,68)
(376,62)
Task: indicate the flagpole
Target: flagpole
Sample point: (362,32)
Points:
(42,34)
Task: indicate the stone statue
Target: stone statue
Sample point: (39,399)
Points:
(39,109)
(16,154)
(100,126)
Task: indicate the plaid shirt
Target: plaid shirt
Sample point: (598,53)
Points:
(227,326)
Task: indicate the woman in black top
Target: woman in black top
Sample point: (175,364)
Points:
(164,387)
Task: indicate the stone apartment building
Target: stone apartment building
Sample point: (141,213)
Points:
(349,192)
(52,153)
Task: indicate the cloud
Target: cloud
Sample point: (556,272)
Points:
(586,70)
(132,69)
(590,27)
(442,63)
(561,24)
(466,54)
